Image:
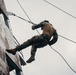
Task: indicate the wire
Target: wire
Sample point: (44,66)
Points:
(67,39)
(60,9)
(23,10)
(63,59)
(10,13)
(26,14)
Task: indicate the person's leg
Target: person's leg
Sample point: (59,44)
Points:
(33,52)
(20,47)
(32,41)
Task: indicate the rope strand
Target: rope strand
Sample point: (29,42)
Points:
(67,39)
(23,10)
(26,15)
(60,9)
(64,59)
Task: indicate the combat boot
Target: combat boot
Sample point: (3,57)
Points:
(32,58)
(19,47)
(12,51)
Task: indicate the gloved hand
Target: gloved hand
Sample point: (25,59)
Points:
(33,27)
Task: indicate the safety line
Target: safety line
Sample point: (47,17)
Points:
(23,10)
(60,9)
(64,59)
(67,39)
(26,14)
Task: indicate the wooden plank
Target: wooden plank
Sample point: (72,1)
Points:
(3,8)
(3,67)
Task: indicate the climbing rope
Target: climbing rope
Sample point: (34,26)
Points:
(26,15)
(10,13)
(23,10)
(60,9)
(67,39)
(63,59)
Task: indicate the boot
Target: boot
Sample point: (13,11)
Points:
(13,51)
(32,58)
(19,47)
(33,51)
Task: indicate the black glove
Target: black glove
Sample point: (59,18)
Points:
(33,28)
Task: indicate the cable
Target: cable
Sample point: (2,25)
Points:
(26,14)
(63,59)
(10,13)
(60,9)
(23,10)
(67,39)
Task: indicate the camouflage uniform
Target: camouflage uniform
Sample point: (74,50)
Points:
(38,41)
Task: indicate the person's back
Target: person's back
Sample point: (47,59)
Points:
(48,29)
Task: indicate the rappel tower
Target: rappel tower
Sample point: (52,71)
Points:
(8,62)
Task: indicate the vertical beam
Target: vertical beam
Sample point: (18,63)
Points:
(18,72)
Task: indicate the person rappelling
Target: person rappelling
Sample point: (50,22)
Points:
(49,36)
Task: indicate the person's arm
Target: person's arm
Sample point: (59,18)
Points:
(54,39)
(38,25)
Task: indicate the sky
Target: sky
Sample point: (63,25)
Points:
(47,61)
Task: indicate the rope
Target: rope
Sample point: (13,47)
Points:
(23,10)
(67,39)
(64,59)
(26,15)
(60,9)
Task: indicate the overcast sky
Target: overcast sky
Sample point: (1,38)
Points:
(47,61)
